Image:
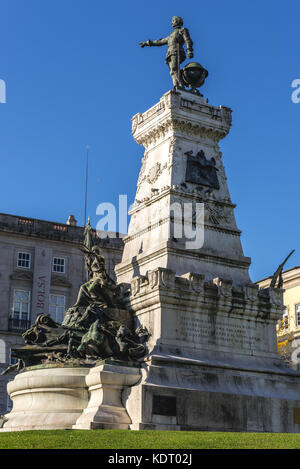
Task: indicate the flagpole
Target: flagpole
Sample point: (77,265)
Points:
(86,183)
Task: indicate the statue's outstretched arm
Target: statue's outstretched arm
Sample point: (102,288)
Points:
(158,42)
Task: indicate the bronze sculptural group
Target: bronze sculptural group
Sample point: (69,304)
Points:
(96,327)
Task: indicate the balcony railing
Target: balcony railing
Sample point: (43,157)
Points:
(18,325)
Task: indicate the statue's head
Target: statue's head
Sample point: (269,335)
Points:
(96,251)
(177,21)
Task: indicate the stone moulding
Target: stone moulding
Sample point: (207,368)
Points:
(60,282)
(181,115)
(179,191)
(169,248)
(192,287)
(220,229)
(142,119)
(179,125)
(24,276)
(127,239)
(173,100)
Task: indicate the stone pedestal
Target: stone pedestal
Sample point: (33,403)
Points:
(212,361)
(47,399)
(105,409)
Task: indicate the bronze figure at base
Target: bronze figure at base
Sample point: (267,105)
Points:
(97,327)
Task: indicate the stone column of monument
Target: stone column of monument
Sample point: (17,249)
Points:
(182,190)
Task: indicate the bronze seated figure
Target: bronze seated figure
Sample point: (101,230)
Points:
(96,327)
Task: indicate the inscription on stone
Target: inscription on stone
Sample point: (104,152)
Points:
(296,415)
(203,330)
(164,405)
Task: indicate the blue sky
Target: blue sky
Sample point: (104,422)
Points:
(75,76)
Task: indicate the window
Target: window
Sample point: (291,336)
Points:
(59,265)
(2,351)
(285,319)
(24,260)
(12,360)
(26,222)
(297,310)
(60,227)
(19,320)
(21,304)
(57,307)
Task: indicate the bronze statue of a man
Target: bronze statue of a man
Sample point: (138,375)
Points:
(175,54)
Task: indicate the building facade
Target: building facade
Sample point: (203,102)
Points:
(41,270)
(288,328)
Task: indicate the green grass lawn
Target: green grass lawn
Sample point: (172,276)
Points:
(122,439)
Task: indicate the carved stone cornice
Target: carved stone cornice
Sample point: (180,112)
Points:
(20,275)
(184,114)
(172,125)
(60,282)
(191,288)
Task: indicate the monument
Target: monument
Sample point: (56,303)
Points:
(212,360)
(183,340)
